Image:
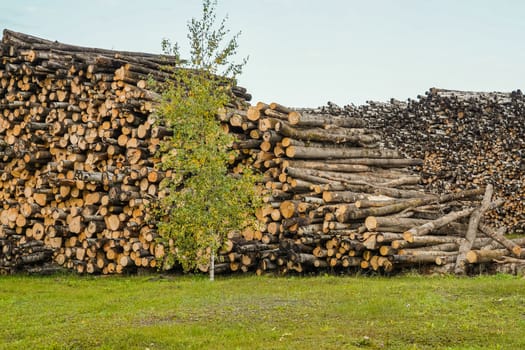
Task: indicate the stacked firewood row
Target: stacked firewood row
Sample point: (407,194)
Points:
(336,199)
(465,138)
(308,160)
(78,143)
(17,253)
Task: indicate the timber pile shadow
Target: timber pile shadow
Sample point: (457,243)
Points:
(78,163)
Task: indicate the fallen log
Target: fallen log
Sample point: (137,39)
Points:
(335,153)
(430,226)
(347,213)
(471,234)
(514,248)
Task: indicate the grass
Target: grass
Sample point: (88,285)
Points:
(326,312)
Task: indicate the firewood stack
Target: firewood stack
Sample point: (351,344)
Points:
(78,153)
(465,138)
(337,199)
(78,168)
(315,163)
(17,254)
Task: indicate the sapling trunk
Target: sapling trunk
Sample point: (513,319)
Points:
(212,266)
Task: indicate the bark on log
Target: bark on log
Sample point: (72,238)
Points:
(435,224)
(472,231)
(514,248)
(338,153)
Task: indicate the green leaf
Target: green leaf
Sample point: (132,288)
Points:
(203,201)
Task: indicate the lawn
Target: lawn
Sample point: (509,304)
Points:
(249,312)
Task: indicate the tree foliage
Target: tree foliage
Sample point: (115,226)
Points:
(204,201)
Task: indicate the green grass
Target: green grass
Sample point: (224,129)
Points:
(148,312)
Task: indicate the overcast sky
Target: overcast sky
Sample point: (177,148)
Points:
(304,53)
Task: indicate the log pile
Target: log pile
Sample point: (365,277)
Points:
(78,143)
(465,139)
(19,254)
(78,149)
(337,199)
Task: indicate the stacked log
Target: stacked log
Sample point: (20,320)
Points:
(78,143)
(464,138)
(305,158)
(19,254)
(78,172)
(336,199)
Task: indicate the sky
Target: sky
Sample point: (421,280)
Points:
(304,53)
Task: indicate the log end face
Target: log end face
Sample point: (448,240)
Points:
(408,236)
(517,251)
(472,257)
(370,222)
(294,117)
